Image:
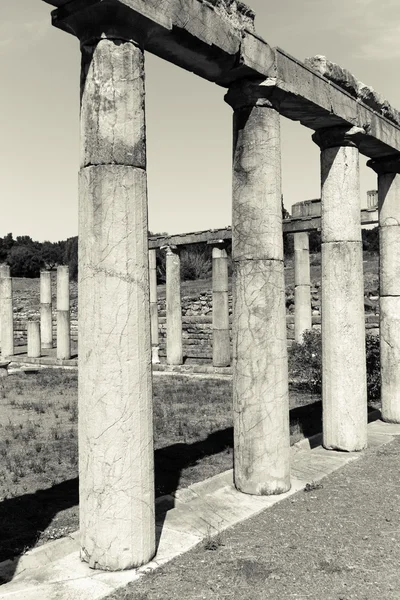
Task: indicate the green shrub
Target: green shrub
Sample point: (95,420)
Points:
(305,363)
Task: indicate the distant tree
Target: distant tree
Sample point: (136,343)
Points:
(52,254)
(370,239)
(70,257)
(288,243)
(24,261)
(315,241)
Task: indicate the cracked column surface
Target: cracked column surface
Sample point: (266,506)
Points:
(344,386)
(302,285)
(4,272)
(46,317)
(260,370)
(173,306)
(154,307)
(6,317)
(63,313)
(34,342)
(220,307)
(388,170)
(116,456)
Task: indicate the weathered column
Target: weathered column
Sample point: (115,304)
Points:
(260,371)
(4,272)
(6,317)
(173,306)
(344,391)
(34,345)
(153,307)
(388,170)
(116,473)
(46,317)
(220,307)
(63,314)
(302,285)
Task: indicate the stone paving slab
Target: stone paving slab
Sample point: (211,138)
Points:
(182,522)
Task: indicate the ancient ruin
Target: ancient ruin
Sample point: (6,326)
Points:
(215,40)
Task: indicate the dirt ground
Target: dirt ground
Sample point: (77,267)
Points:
(338,542)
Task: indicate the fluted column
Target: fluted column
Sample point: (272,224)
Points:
(344,391)
(6,317)
(116,474)
(154,307)
(388,170)
(34,342)
(302,285)
(220,306)
(173,306)
(63,314)
(260,371)
(46,317)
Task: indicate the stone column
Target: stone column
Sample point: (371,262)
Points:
(344,393)
(63,314)
(220,307)
(153,307)
(116,454)
(6,317)
(302,285)
(173,306)
(4,272)
(46,317)
(34,343)
(260,370)
(388,170)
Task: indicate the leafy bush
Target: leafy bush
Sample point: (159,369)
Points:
(195,263)
(305,363)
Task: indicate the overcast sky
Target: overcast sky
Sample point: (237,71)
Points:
(188,123)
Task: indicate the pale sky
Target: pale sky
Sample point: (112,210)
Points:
(189,125)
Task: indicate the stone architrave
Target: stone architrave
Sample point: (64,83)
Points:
(46,313)
(344,390)
(6,317)
(116,452)
(173,306)
(4,272)
(302,285)
(260,369)
(220,306)
(388,170)
(34,342)
(63,314)
(154,307)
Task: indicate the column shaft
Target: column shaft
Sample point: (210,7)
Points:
(173,306)
(4,272)
(302,286)
(220,310)
(6,317)
(260,371)
(344,393)
(154,306)
(34,342)
(116,473)
(63,314)
(46,316)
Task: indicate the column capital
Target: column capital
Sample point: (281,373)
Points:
(385,164)
(218,243)
(247,93)
(170,249)
(338,137)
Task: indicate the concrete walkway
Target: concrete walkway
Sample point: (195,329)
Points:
(55,571)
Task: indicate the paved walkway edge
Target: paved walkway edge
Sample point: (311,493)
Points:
(192,515)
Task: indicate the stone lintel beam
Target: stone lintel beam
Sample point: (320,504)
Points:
(385,164)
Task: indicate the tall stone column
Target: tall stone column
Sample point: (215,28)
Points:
(173,306)
(4,272)
(388,170)
(34,342)
(220,307)
(63,314)
(154,307)
(6,317)
(260,370)
(46,317)
(116,454)
(344,391)
(302,285)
